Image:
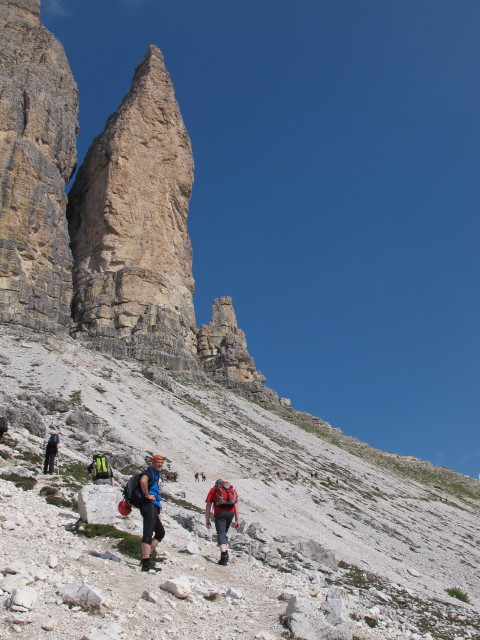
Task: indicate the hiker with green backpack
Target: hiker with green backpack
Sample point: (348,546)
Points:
(100,471)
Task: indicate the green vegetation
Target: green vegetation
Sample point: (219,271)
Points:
(19,481)
(127,544)
(58,501)
(76,397)
(458,593)
(182,503)
(371,622)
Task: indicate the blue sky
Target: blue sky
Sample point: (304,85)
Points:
(336,193)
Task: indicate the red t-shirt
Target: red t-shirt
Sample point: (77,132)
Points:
(212,495)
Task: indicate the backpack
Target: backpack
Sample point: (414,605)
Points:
(3,425)
(54,439)
(132,492)
(226,496)
(101,468)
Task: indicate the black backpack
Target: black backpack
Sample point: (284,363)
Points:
(3,425)
(132,492)
(53,441)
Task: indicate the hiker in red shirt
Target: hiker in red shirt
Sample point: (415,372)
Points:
(225,508)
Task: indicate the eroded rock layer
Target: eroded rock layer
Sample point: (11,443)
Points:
(127,213)
(222,349)
(38,125)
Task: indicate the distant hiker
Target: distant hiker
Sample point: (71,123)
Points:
(153,531)
(3,426)
(196,477)
(296,474)
(51,450)
(224,499)
(204,477)
(100,471)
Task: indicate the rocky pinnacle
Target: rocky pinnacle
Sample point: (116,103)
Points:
(127,213)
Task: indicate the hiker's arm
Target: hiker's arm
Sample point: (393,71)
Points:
(236,524)
(208,508)
(144,487)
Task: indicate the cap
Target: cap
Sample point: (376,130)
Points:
(158,457)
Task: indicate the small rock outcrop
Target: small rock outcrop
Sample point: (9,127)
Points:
(127,212)
(38,125)
(222,349)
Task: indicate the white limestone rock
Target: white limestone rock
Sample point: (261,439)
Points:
(82,595)
(97,504)
(191,548)
(22,598)
(180,587)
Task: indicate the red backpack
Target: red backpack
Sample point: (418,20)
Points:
(226,496)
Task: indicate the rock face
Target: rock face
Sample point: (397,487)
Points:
(127,213)
(222,349)
(38,125)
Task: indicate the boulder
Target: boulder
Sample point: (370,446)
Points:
(180,587)
(97,504)
(22,598)
(82,595)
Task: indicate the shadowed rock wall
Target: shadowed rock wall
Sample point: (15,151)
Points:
(38,125)
(127,213)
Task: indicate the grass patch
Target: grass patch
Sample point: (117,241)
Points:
(183,503)
(58,501)
(27,484)
(371,622)
(48,491)
(458,594)
(36,460)
(76,397)
(128,544)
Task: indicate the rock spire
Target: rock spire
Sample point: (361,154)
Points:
(127,212)
(38,125)
(222,349)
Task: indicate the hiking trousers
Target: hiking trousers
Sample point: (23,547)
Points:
(223,520)
(152,527)
(49,462)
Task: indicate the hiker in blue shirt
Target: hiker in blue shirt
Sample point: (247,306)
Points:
(153,531)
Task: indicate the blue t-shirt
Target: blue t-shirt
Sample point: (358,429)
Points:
(153,485)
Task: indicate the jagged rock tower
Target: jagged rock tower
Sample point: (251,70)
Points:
(127,213)
(222,348)
(38,126)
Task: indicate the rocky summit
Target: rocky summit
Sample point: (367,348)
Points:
(222,349)
(38,126)
(127,213)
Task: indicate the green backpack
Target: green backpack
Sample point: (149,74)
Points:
(101,468)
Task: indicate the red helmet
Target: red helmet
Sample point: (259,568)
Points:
(124,508)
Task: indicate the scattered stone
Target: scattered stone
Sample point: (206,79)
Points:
(83,595)
(22,598)
(50,625)
(151,597)
(180,587)
(191,547)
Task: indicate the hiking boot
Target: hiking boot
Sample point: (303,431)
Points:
(223,559)
(147,564)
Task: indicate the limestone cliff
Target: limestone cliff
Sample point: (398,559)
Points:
(127,213)
(222,349)
(38,125)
